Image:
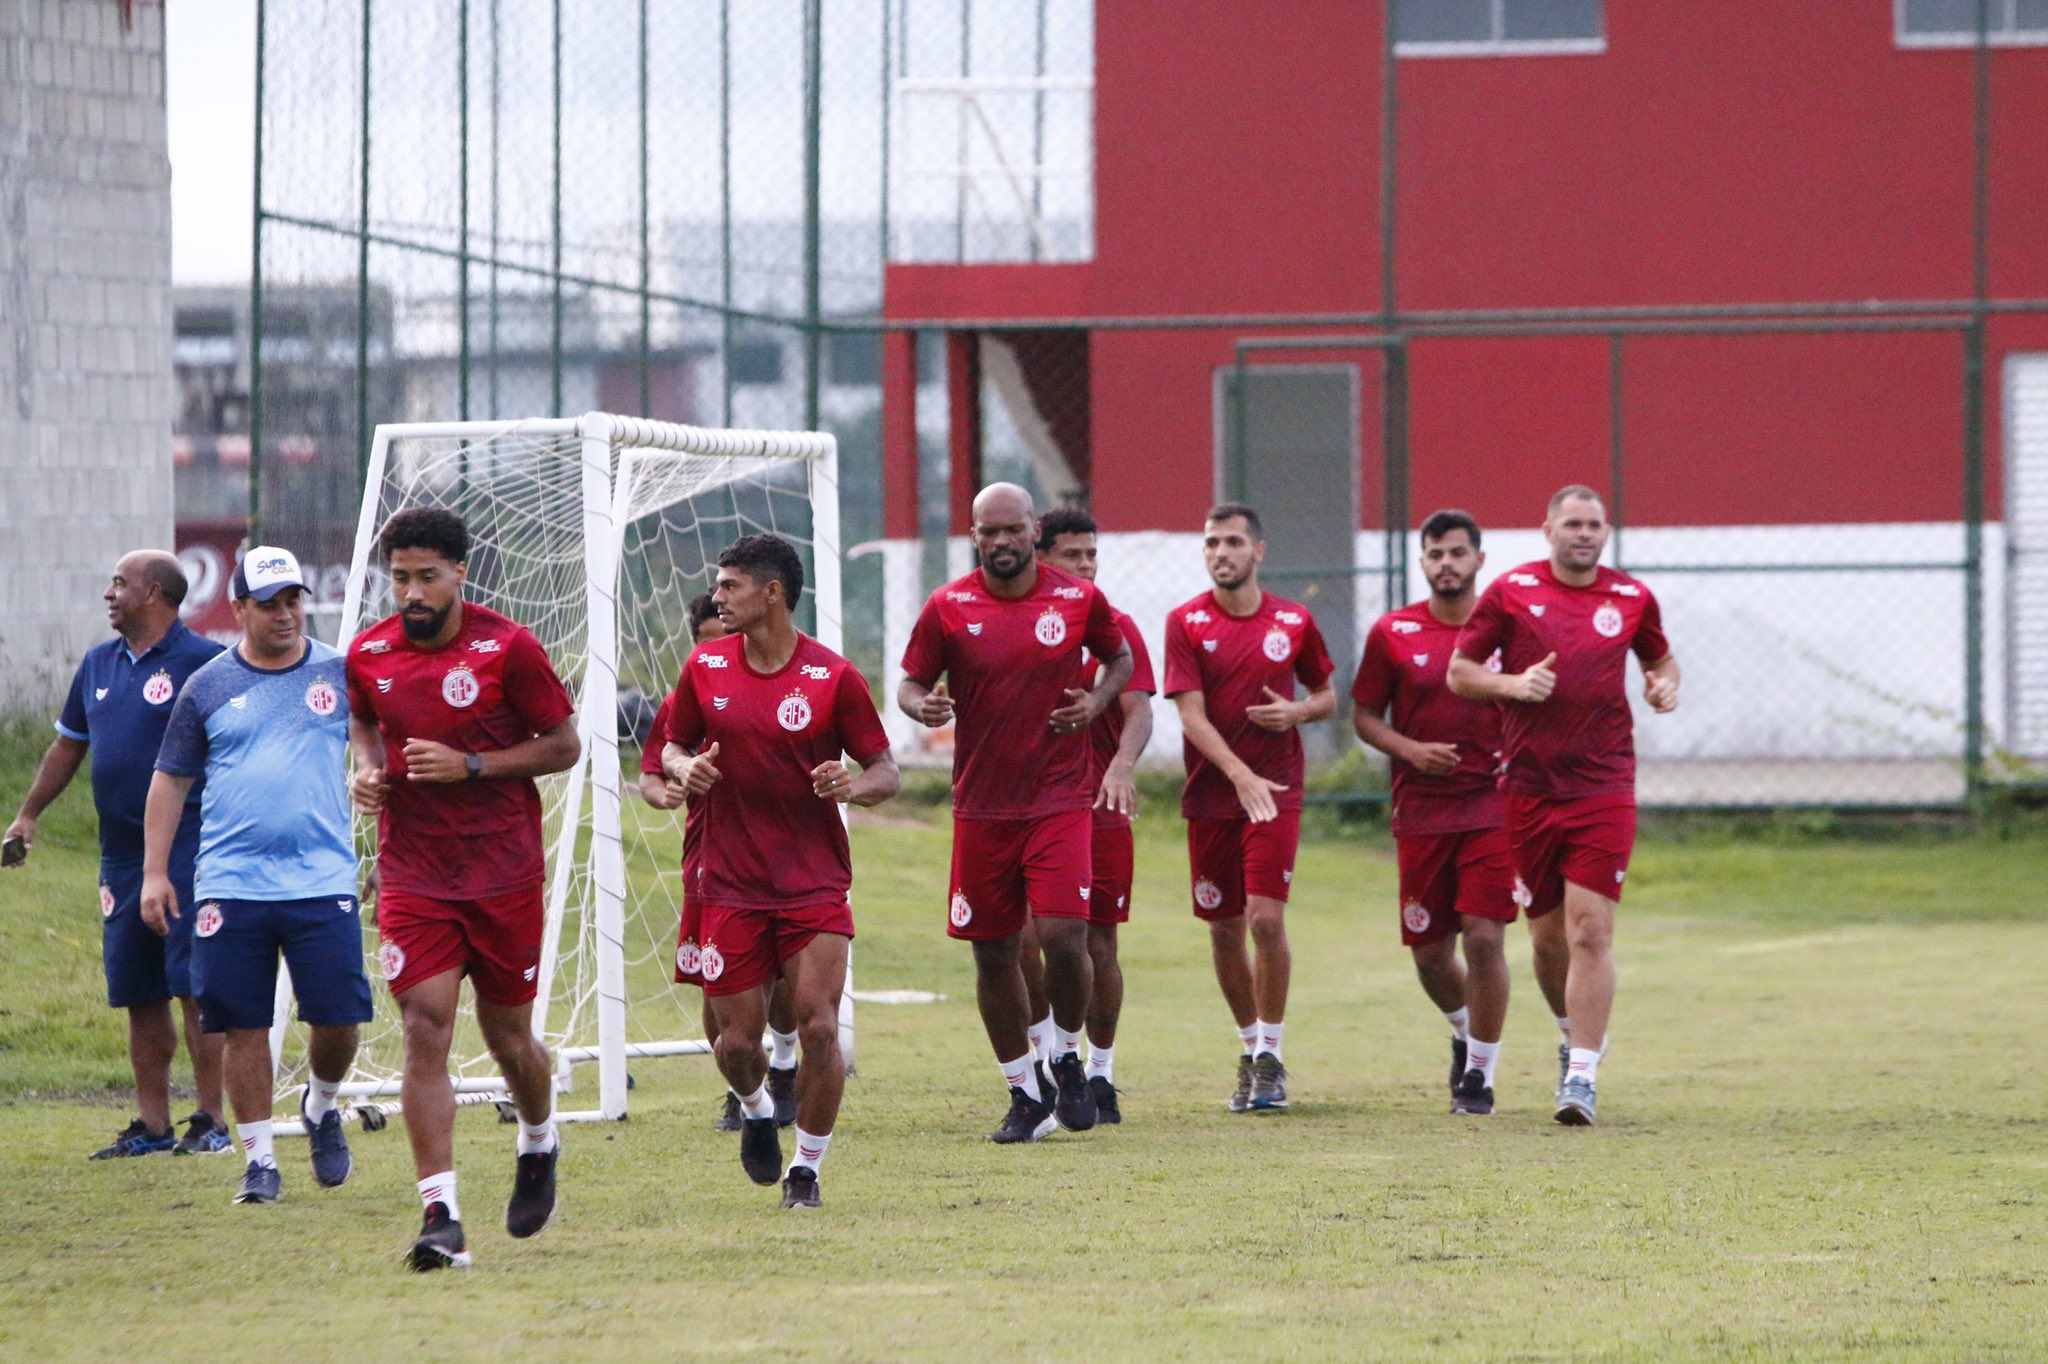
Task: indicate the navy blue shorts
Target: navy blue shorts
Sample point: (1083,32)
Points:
(235,944)
(141,967)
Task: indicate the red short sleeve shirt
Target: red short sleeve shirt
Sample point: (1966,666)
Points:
(1406,659)
(1232,660)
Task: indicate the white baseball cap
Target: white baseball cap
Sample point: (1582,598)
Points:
(266,571)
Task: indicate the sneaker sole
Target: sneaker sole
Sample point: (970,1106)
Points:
(1268,1105)
(1472,1110)
(426,1259)
(517,1235)
(1039,1133)
(1571,1115)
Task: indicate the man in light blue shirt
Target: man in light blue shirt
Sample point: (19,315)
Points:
(266,725)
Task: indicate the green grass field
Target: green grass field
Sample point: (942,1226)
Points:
(1822,1138)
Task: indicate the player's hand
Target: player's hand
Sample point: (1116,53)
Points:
(1537,682)
(935,711)
(426,760)
(367,788)
(19,838)
(1277,713)
(1255,794)
(1436,759)
(1077,714)
(1119,794)
(159,903)
(703,771)
(671,795)
(1662,694)
(831,781)
(373,888)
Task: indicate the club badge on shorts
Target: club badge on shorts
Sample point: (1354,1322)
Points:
(106,902)
(1278,645)
(1414,917)
(209,921)
(1051,628)
(1208,895)
(711,962)
(794,714)
(159,688)
(391,960)
(689,961)
(459,688)
(321,698)
(960,912)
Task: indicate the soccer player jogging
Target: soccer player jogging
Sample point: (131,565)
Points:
(770,714)
(120,701)
(1233,656)
(1564,628)
(456,711)
(664,793)
(1066,540)
(266,725)
(1007,639)
(1457,872)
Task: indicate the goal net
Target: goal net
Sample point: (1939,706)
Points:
(593,533)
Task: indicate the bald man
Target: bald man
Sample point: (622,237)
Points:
(998,653)
(119,704)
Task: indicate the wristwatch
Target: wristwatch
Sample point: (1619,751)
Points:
(474,765)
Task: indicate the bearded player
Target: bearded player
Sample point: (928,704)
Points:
(1564,628)
(1233,657)
(1457,870)
(759,725)
(454,711)
(1007,639)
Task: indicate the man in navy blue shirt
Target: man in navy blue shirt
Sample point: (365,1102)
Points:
(266,725)
(120,701)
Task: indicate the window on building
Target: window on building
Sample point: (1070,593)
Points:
(1466,28)
(1953,23)
(755,362)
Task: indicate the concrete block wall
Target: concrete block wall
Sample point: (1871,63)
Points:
(86,393)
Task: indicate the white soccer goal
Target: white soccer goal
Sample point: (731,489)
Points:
(594,533)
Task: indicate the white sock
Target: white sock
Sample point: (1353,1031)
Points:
(1460,1020)
(1248,1037)
(1064,1043)
(782,1049)
(320,1097)
(441,1189)
(1102,1061)
(1585,1062)
(758,1104)
(539,1136)
(1021,1074)
(1269,1038)
(1564,1027)
(810,1150)
(1482,1057)
(1041,1037)
(259,1146)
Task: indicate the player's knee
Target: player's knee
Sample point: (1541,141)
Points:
(1591,935)
(818,1033)
(1268,927)
(428,1033)
(1102,946)
(733,1048)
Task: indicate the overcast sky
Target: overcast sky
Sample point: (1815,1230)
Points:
(210,88)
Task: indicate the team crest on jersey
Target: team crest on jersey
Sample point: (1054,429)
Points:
(390,960)
(106,902)
(688,959)
(1278,645)
(374,646)
(1493,661)
(209,921)
(1406,627)
(159,688)
(484,646)
(321,698)
(817,672)
(794,714)
(1415,917)
(1208,895)
(1607,621)
(1051,629)
(711,962)
(459,688)
(960,912)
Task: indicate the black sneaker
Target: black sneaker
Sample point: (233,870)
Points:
(1106,1109)
(331,1162)
(1075,1105)
(532,1205)
(440,1245)
(205,1135)
(260,1184)
(1457,1063)
(1028,1119)
(782,1089)
(800,1188)
(136,1140)
(1269,1083)
(760,1150)
(1048,1083)
(729,1119)
(1472,1095)
(1241,1097)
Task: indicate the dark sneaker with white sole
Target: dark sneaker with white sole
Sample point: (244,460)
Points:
(760,1150)
(1473,1095)
(331,1162)
(1107,1110)
(1575,1101)
(136,1140)
(440,1245)
(260,1184)
(730,1117)
(1075,1104)
(1241,1097)
(800,1188)
(782,1089)
(1028,1119)
(1458,1066)
(532,1205)
(205,1135)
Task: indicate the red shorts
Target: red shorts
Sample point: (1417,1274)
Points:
(1005,869)
(1109,894)
(1447,876)
(496,942)
(1585,841)
(689,934)
(1230,860)
(744,948)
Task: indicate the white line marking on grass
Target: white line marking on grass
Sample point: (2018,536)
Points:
(897,997)
(1800,943)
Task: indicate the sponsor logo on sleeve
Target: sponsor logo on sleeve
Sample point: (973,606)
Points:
(1288,617)
(485,646)
(1051,628)
(1607,621)
(711,961)
(1625,590)
(390,960)
(1196,618)
(459,688)
(794,714)
(961,596)
(712,660)
(374,646)
(1524,579)
(1405,627)
(1208,895)
(960,912)
(1070,593)
(817,672)
(159,688)
(208,921)
(321,698)
(106,902)
(1415,917)
(1279,644)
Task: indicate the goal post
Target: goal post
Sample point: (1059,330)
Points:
(594,533)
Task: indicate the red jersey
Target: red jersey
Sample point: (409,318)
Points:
(1407,656)
(1231,660)
(1106,735)
(769,840)
(487,689)
(1581,741)
(1009,664)
(693,806)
